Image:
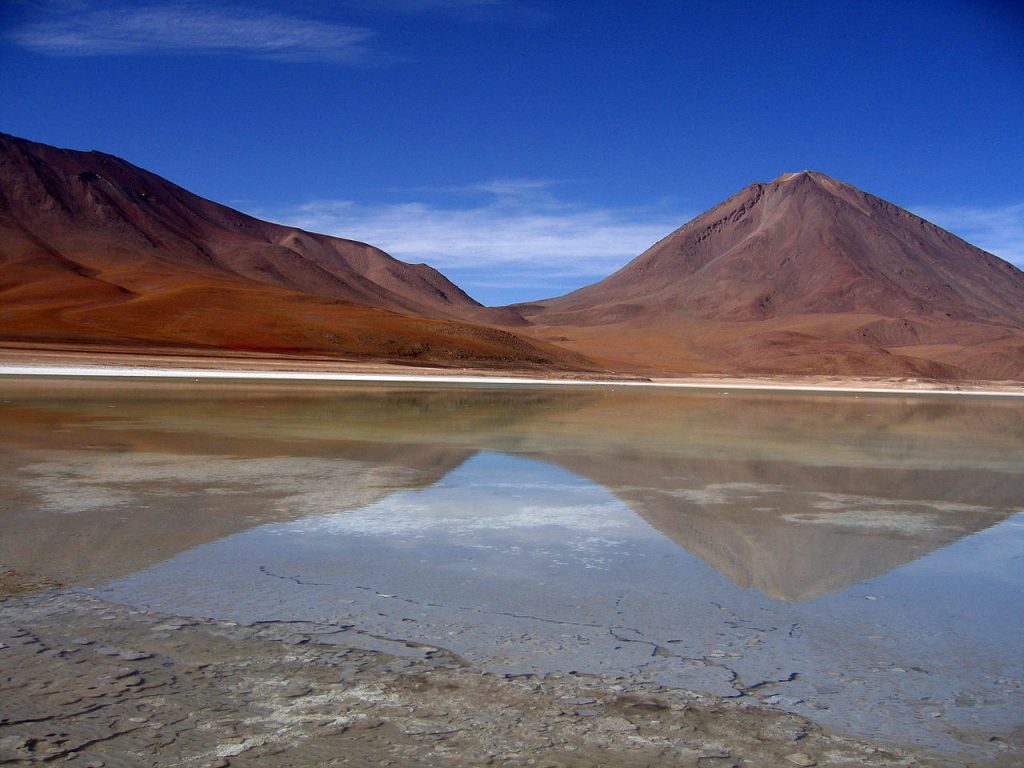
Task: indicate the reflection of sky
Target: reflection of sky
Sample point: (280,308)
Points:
(973,589)
(985,560)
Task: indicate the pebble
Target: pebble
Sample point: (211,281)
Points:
(428,729)
(135,655)
(616,725)
(800,759)
(578,701)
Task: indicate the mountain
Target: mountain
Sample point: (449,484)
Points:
(802,275)
(96,250)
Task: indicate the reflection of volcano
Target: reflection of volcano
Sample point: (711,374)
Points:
(796,497)
(796,532)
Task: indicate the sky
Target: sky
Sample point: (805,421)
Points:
(529,147)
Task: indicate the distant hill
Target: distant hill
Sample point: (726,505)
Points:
(96,250)
(804,274)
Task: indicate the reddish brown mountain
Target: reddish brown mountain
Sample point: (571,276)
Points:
(804,274)
(96,250)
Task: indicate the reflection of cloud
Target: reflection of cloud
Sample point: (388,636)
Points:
(189,27)
(466,10)
(491,493)
(459,515)
(998,230)
(87,482)
(516,225)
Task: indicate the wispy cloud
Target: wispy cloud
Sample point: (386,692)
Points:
(470,10)
(426,6)
(998,230)
(513,233)
(189,27)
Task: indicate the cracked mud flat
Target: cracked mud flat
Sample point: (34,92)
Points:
(89,683)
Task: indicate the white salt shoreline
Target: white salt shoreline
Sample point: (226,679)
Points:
(197,374)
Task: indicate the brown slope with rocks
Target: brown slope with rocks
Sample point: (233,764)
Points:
(96,250)
(803,275)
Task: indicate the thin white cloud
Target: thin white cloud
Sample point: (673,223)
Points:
(467,10)
(425,6)
(998,230)
(519,228)
(192,28)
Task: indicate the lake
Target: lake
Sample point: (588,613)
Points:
(858,560)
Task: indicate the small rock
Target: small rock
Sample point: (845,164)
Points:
(135,655)
(294,690)
(717,761)
(428,729)
(616,725)
(800,759)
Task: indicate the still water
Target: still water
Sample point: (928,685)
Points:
(857,560)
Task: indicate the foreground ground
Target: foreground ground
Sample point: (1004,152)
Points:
(88,683)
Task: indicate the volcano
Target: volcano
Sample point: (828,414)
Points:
(96,251)
(801,275)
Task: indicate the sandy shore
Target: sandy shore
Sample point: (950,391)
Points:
(33,362)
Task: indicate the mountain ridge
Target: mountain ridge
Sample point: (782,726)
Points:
(94,249)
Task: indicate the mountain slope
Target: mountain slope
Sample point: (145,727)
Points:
(804,274)
(94,249)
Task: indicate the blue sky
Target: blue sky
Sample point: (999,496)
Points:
(527,147)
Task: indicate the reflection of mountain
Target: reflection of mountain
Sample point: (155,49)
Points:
(796,497)
(795,531)
(82,506)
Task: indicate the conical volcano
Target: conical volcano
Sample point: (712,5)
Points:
(808,275)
